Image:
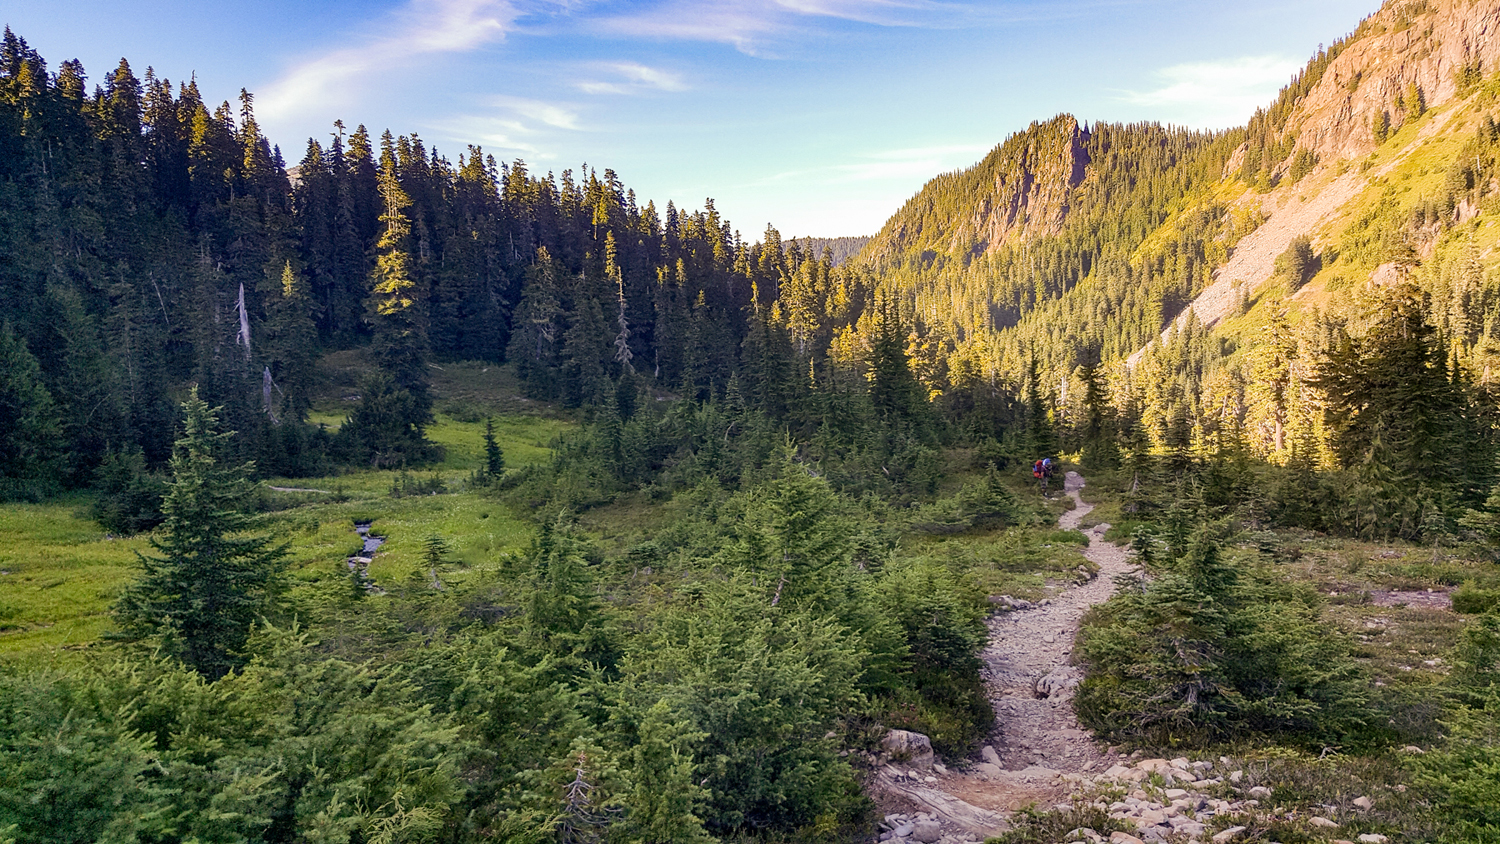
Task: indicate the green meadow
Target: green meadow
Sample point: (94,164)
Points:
(60,571)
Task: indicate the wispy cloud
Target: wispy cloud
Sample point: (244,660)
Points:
(516,126)
(497,135)
(556,115)
(749,25)
(919,163)
(630,78)
(1216,94)
(420,30)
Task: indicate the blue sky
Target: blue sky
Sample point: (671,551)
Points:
(818,116)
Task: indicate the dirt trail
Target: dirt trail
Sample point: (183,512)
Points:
(1036,646)
(1038,742)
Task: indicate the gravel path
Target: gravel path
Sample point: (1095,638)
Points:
(1028,662)
(1038,750)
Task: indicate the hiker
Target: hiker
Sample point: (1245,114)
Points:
(1042,470)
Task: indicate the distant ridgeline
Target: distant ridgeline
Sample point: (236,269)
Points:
(840,249)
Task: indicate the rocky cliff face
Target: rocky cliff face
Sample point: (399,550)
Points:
(1023,189)
(1426,42)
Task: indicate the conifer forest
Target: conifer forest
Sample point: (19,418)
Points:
(370,492)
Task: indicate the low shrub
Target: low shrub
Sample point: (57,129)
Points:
(1207,651)
(1471,600)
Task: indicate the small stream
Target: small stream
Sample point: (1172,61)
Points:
(359,564)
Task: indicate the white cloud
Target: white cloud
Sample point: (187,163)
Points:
(631,78)
(740,24)
(748,25)
(422,29)
(549,114)
(1216,94)
(518,126)
(913,165)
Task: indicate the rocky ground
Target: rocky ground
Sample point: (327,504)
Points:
(1039,754)
(1038,742)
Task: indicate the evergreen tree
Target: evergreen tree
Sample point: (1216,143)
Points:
(494,458)
(291,344)
(664,797)
(211,576)
(397,309)
(30,446)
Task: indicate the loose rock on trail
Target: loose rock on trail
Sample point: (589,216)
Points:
(1038,748)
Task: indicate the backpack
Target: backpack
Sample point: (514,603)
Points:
(1036,470)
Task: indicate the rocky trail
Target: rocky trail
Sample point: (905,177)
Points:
(1038,742)
(1039,754)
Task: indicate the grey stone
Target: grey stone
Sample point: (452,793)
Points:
(989,755)
(927,831)
(913,748)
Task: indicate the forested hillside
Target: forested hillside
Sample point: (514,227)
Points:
(726,557)
(400,497)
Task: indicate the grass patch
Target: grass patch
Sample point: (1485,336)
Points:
(59,573)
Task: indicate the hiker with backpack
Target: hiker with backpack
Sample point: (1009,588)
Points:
(1042,470)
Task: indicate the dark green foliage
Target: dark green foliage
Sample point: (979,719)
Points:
(130,497)
(943,629)
(494,458)
(664,798)
(1206,650)
(30,448)
(765,689)
(1472,600)
(210,577)
(1463,774)
(1302,164)
(565,620)
(295,747)
(1398,418)
(1297,264)
(385,430)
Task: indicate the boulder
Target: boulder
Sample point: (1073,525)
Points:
(1322,822)
(1228,835)
(913,748)
(1364,804)
(1124,838)
(989,755)
(927,832)
(1373,838)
